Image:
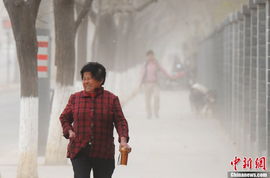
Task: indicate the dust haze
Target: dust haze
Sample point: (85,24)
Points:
(180,138)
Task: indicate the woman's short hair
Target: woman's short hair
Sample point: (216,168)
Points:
(150,52)
(97,70)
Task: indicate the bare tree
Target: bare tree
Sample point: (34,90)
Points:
(23,18)
(113,35)
(65,30)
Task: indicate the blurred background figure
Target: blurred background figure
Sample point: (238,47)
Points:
(150,82)
(202,100)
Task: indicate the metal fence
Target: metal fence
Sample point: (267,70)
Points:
(233,61)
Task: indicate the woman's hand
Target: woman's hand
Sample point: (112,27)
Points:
(126,146)
(71,134)
(123,144)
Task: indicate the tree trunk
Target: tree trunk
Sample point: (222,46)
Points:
(64,40)
(65,31)
(125,47)
(23,17)
(81,47)
(105,40)
(65,62)
(56,144)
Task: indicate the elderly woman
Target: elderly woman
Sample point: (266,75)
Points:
(88,122)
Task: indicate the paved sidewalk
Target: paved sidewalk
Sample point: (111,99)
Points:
(173,146)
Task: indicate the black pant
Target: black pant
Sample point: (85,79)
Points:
(82,166)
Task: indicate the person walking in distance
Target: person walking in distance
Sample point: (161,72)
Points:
(151,85)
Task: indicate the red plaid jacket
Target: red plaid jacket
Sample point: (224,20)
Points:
(93,119)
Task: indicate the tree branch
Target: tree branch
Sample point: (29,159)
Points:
(145,5)
(86,8)
(93,16)
(36,4)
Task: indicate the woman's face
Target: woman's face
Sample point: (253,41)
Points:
(150,57)
(89,83)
